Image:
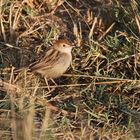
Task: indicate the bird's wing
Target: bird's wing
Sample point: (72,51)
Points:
(48,61)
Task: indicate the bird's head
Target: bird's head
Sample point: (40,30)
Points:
(63,45)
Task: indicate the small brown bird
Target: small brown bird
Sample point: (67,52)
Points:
(54,62)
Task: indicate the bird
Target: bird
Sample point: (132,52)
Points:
(54,62)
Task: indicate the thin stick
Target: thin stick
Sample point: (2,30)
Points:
(99,77)
(93,26)
(110,27)
(96,83)
(52,107)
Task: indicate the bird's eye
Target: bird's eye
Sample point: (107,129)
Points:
(64,45)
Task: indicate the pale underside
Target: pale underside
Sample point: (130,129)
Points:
(53,65)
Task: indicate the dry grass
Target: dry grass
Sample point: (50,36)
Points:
(102,85)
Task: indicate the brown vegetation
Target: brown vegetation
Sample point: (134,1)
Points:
(101,87)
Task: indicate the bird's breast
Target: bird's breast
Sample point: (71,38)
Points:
(62,65)
(59,68)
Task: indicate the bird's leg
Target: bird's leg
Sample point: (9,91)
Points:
(48,87)
(46,81)
(54,82)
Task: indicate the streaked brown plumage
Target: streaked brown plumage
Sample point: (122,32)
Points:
(55,61)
